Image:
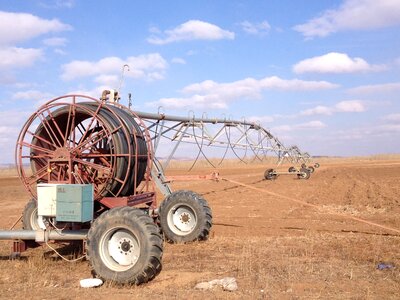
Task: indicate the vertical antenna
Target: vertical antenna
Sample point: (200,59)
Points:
(130,100)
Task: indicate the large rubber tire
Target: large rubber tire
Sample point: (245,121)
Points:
(124,246)
(316,165)
(270,174)
(311,169)
(30,216)
(292,170)
(305,174)
(185,217)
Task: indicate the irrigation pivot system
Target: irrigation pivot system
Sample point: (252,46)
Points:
(90,167)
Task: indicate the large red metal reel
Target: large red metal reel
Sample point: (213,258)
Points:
(79,139)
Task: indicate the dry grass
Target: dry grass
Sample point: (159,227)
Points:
(275,249)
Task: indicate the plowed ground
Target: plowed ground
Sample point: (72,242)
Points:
(275,247)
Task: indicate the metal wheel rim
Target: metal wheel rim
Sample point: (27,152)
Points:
(182,219)
(34,219)
(119,249)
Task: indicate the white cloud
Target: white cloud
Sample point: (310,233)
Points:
(211,94)
(311,125)
(350,106)
(376,88)
(256,28)
(192,30)
(261,119)
(20,27)
(103,79)
(302,126)
(392,118)
(148,66)
(318,110)
(60,51)
(178,60)
(33,95)
(353,15)
(343,106)
(334,62)
(58,4)
(55,42)
(14,57)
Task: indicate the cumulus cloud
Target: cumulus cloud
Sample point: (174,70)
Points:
(211,94)
(334,62)
(256,28)
(20,27)
(392,118)
(191,30)
(178,60)
(261,119)
(302,126)
(57,4)
(147,66)
(353,15)
(376,88)
(33,95)
(14,57)
(55,42)
(350,106)
(343,106)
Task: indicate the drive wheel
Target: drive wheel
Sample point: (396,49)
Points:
(311,169)
(30,216)
(292,170)
(270,174)
(185,217)
(304,174)
(316,165)
(124,246)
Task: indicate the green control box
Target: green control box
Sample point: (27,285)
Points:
(74,203)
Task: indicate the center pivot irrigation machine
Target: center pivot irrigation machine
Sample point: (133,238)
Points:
(91,169)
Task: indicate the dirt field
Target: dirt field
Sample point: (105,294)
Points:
(275,247)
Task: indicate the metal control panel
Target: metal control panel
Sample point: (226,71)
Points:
(66,202)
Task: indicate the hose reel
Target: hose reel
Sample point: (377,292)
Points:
(78,139)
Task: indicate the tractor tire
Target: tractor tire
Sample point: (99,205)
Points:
(124,246)
(311,169)
(292,170)
(316,165)
(270,175)
(303,165)
(185,217)
(30,216)
(304,174)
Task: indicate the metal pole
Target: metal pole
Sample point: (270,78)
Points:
(43,235)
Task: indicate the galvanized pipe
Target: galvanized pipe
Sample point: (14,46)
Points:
(44,235)
(17,234)
(152,116)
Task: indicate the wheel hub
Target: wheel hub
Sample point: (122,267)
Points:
(123,248)
(183,220)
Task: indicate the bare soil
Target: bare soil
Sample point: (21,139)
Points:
(275,247)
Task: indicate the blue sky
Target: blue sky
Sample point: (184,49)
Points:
(324,75)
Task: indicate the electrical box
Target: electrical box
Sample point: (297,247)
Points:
(46,196)
(66,202)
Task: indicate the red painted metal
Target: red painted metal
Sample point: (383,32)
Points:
(212,176)
(133,200)
(79,139)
